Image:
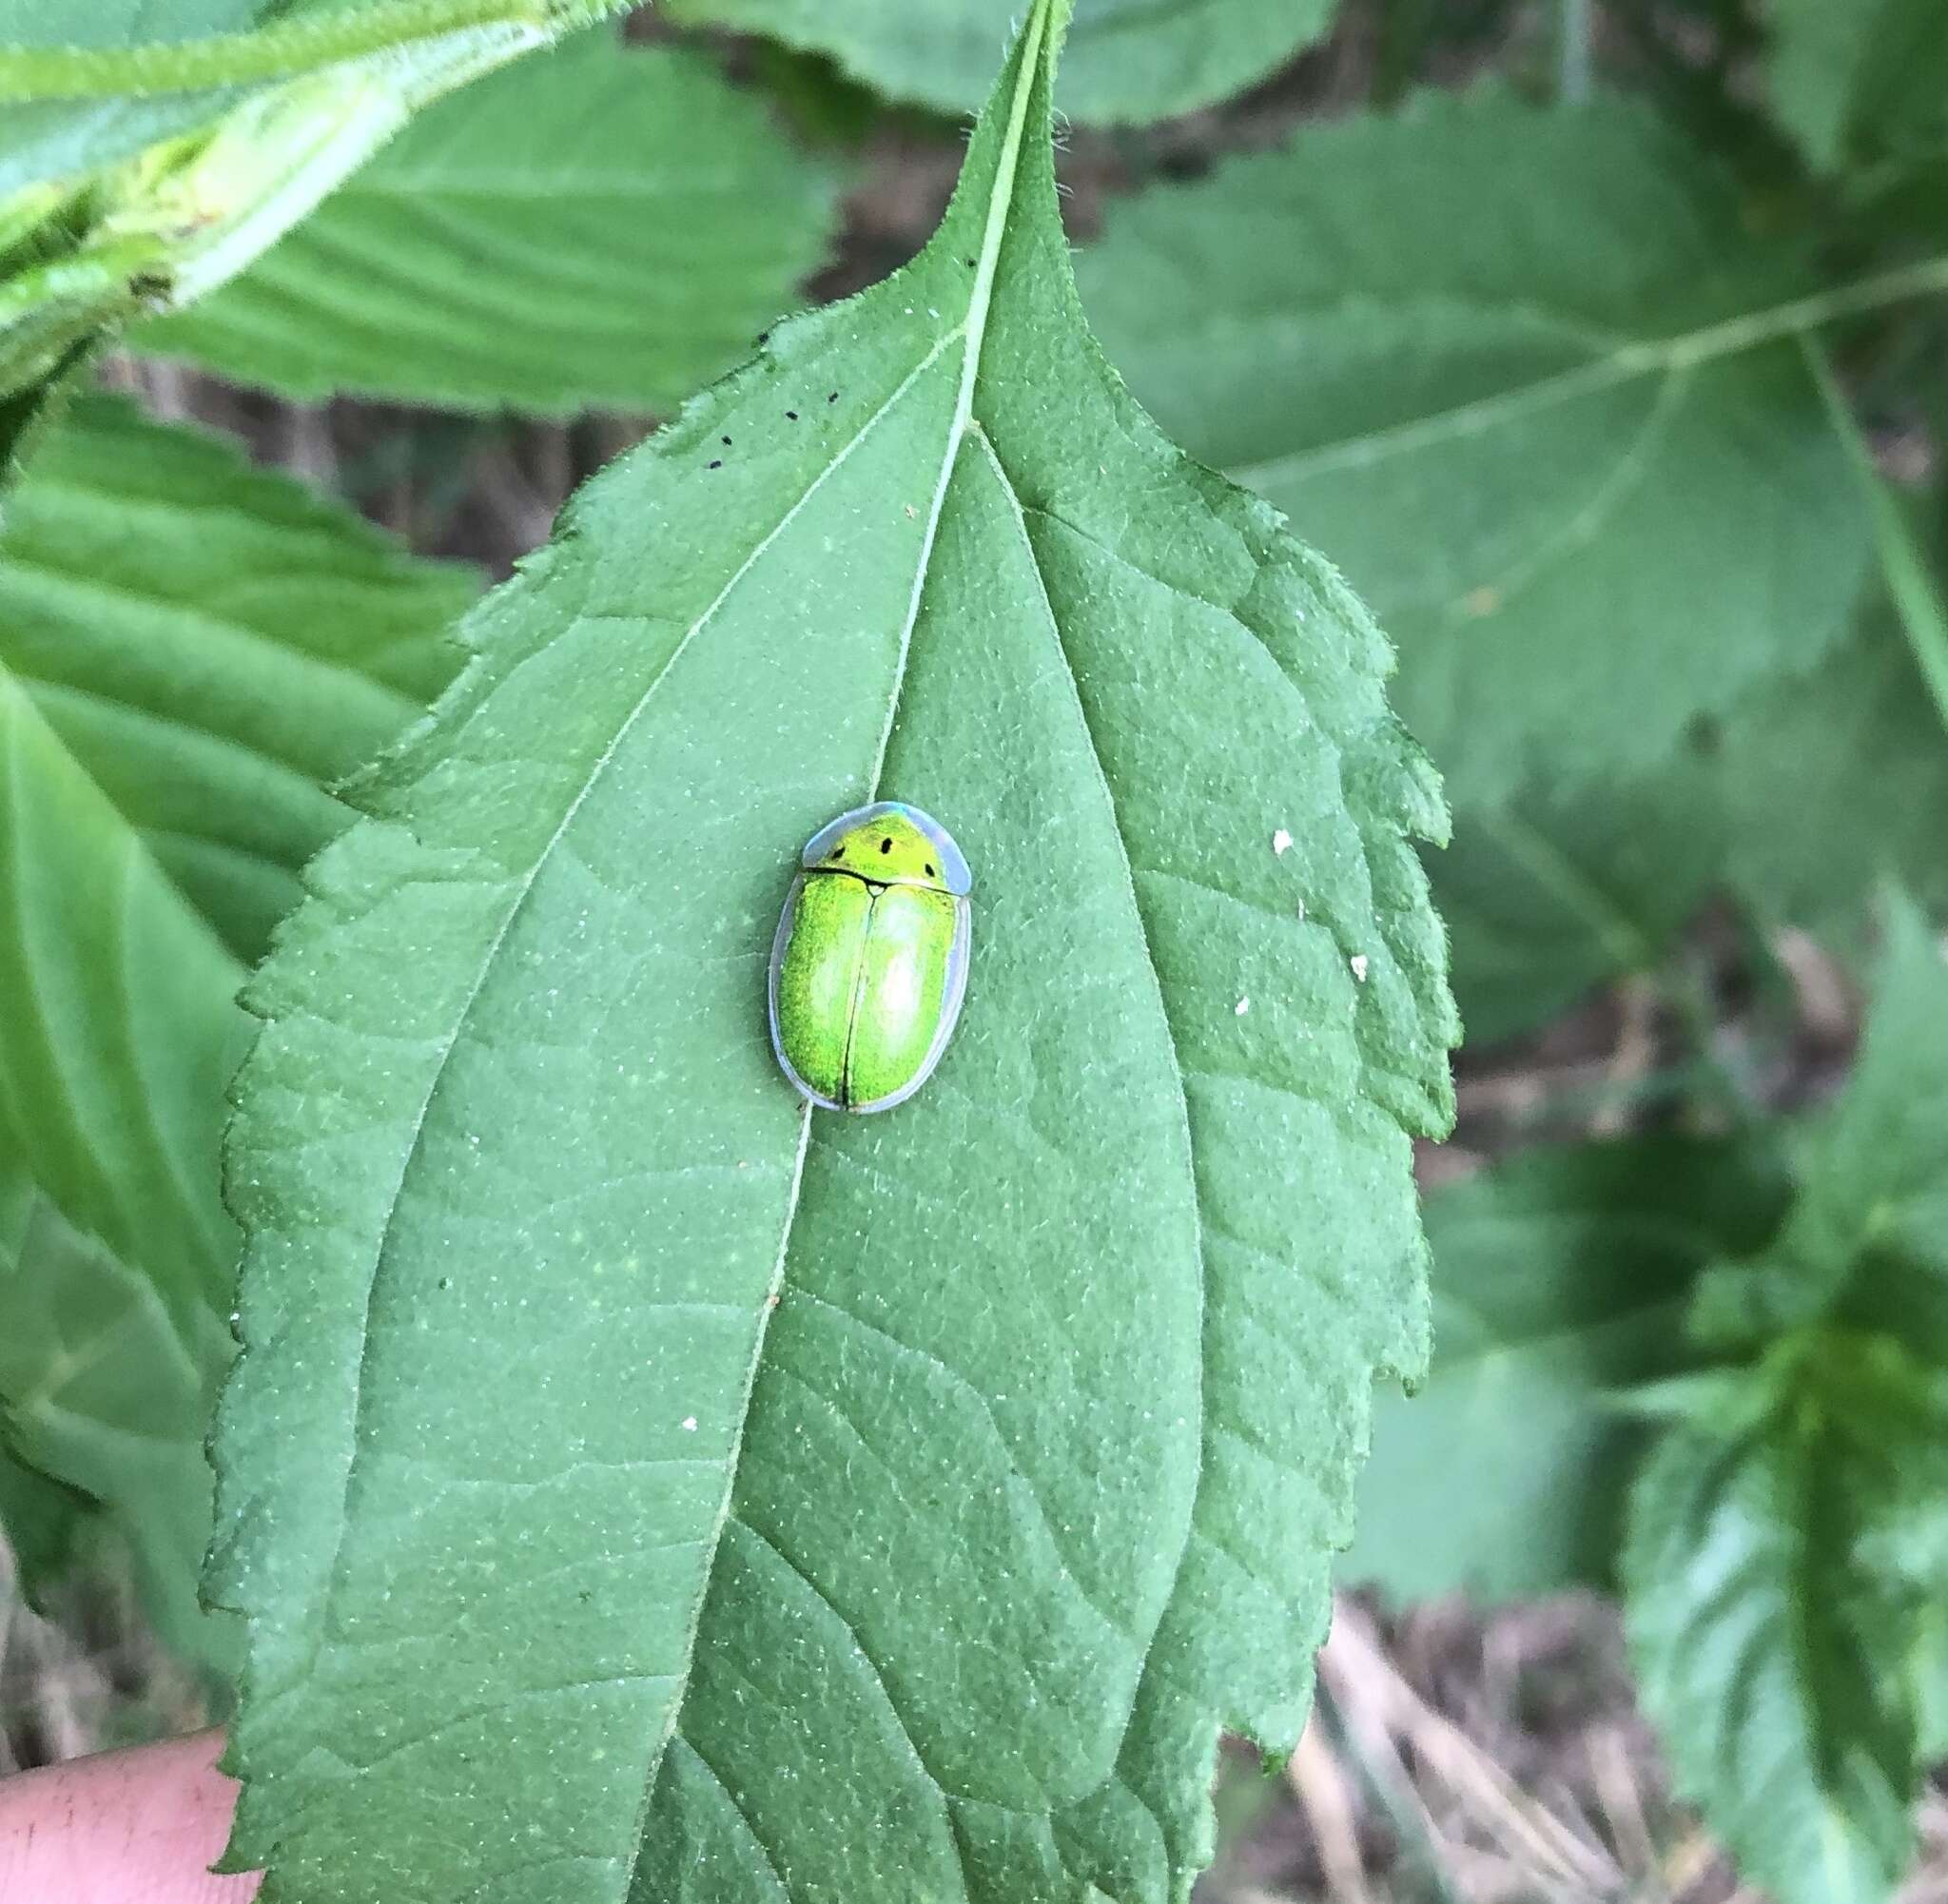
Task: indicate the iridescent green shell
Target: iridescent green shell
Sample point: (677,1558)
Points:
(870,960)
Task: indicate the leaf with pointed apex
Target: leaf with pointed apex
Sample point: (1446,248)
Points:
(117,1032)
(1559,1280)
(215,644)
(1128,61)
(638,1485)
(643,220)
(1544,432)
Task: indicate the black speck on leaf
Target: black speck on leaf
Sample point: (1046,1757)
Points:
(726,442)
(792,414)
(718,465)
(834,397)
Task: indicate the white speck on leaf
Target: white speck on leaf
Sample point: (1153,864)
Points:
(1243,1007)
(1359,965)
(690,1423)
(1281,842)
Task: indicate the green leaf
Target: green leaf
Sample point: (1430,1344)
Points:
(1551,434)
(1877,1180)
(600,225)
(1860,82)
(216,646)
(190,652)
(116,1034)
(1128,61)
(1876,1194)
(1780,1663)
(1805,799)
(42,1521)
(1559,1279)
(1549,894)
(109,1387)
(631,1477)
(1865,1241)
(1829,786)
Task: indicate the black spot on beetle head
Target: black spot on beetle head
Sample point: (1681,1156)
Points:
(886,846)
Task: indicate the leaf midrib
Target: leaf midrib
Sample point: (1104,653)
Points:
(524,890)
(971,334)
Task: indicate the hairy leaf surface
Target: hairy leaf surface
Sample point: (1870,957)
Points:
(1542,430)
(1129,61)
(639,1485)
(215,645)
(595,225)
(1560,1279)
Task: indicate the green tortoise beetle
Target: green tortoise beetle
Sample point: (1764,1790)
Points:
(870,961)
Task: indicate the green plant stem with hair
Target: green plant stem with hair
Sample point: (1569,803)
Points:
(280,50)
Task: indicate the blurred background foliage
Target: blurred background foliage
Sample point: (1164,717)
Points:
(1601,344)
